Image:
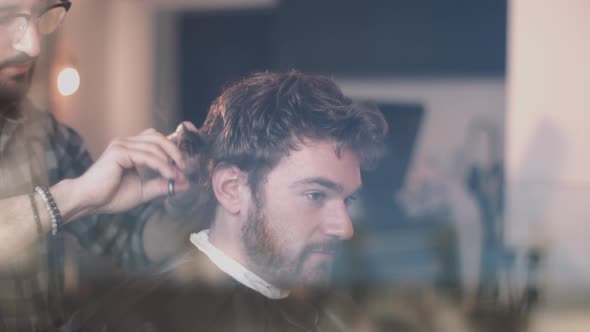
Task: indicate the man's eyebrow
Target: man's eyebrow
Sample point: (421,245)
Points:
(327,183)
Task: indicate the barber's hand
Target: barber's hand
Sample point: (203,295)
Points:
(114,184)
(182,203)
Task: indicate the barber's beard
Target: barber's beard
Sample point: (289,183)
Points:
(266,254)
(14,89)
(11,96)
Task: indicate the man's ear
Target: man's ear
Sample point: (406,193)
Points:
(227,181)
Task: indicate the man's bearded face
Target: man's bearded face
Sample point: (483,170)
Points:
(297,220)
(17,57)
(15,78)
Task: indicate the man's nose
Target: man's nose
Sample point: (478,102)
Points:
(30,42)
(338,224)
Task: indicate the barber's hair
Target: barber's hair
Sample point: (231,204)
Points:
(259,120)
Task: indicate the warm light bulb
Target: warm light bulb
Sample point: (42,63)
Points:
(68,81)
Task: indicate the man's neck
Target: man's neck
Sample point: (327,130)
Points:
(228,241)
(234,268)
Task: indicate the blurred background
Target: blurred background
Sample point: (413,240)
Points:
(480,210)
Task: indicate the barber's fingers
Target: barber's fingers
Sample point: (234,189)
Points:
(148,147)
(159,163)
(159,187)
(128,158)
(180,131)
(169,147)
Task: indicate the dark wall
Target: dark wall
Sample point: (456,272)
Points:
(216,48)
(375,38)
(394,37)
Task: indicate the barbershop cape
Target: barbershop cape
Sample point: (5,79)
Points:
(193,294)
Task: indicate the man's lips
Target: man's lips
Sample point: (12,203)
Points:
(324,252)
(326,249)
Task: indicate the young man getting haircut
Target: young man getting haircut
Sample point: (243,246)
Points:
(283,164)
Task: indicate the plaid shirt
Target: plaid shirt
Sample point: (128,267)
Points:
(36,150)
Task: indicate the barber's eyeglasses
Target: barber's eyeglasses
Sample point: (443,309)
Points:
(47,20)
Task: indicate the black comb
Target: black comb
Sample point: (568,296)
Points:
(192,143)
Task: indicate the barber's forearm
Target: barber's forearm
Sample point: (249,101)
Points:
(18,227)
(160,237)
(167,232)
(69,198)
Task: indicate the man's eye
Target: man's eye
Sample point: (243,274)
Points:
(15,22)
(315,196)
(349,200)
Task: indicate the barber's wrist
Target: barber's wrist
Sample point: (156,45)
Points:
(69,200)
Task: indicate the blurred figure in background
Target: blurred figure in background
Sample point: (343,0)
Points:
(434,192)
(48,187)
(485,181)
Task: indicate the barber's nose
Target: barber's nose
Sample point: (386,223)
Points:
(339,224)
(30,42)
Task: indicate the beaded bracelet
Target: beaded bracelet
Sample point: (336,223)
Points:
(56,220)
(35,214)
